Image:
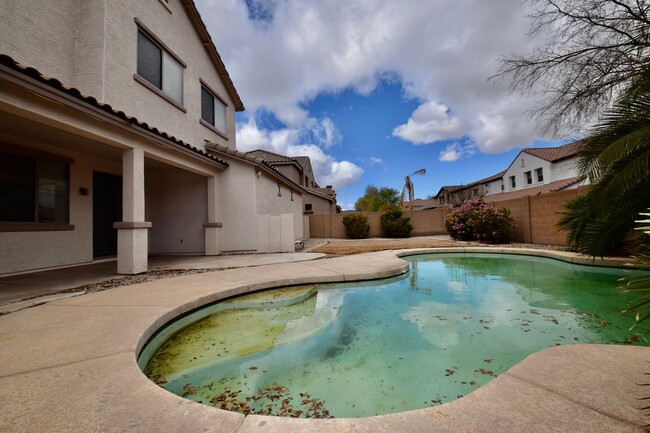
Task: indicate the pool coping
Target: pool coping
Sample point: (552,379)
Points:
(70,365)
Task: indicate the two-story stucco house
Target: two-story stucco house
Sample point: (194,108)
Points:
(538,170)
(117,138)
(535,170)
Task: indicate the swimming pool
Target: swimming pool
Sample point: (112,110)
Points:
(450,325)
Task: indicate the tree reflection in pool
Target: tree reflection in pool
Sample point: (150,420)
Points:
(450,325)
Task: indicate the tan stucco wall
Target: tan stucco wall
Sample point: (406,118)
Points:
(319,205)
(51,49)
(237,212)
(269,203)
(176,206)
(92,45)
(177,32)
(20,251)
(248,207)
(291,172)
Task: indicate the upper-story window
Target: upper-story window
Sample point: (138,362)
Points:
(539,172)
(213,109)
(33,189)
(529,177)
(513,182)
(159,68)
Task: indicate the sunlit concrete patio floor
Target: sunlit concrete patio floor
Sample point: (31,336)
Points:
(70,365)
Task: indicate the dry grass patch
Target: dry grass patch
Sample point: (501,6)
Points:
(357,246)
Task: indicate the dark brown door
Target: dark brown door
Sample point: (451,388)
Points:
(107,209)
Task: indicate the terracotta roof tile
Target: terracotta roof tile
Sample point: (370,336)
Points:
(423,204)
(553,154)
(489,179)
(76,93)
(558,185)
(271,157)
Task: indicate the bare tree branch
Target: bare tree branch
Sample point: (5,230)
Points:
(594,48)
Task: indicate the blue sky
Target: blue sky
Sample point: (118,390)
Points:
(372,90)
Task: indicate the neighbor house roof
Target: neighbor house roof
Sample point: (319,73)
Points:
(11,68)
(272,157)
(303,162)
(553,154)
(423,204)
(450,188)
(558,185)
(206,40)
(254,158)
(489,179)
(454,188)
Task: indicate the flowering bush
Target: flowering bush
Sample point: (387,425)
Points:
(356,226)
(476,220)
(394,224)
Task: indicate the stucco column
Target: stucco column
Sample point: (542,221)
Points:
(132,231)
(213,226)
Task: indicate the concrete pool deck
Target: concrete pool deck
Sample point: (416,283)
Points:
(70,365)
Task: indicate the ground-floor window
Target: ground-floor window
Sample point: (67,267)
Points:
(33,189)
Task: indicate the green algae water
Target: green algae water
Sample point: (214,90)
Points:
(450,325)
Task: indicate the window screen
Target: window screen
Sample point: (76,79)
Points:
(149,60)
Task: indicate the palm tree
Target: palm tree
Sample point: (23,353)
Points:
(617,161)
(640,284)
(408,187)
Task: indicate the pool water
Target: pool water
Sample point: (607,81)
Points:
(450,325)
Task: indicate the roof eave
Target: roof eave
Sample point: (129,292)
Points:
(206,40)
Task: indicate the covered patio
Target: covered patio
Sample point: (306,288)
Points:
(120,189)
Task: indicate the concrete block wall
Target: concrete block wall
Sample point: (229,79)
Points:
(535,218)
(520,211)
(428,222)
(425,222)
(544,214)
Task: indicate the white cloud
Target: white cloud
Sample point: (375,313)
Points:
(374,161)
(451,153)
(326,133)
(502,128)
(289,141)
(430,122)
(441,52)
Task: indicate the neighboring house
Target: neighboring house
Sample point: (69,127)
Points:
(117,138)
(423,204)
(535,170)
(455,195)
(538,166)
(316,200)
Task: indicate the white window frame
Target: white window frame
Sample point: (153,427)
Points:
(529,177)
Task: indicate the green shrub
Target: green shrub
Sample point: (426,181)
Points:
(394,224)
(356,226)
(476,220)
